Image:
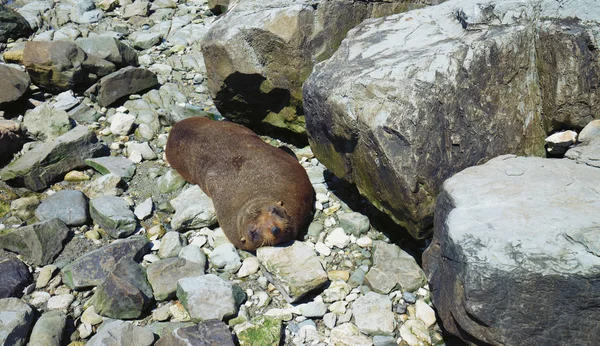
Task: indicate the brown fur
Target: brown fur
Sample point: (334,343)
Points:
(262,195)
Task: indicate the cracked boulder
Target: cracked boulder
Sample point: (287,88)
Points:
(514,238)
(410,99)
(259,55)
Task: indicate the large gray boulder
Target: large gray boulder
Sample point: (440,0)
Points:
(260,53)
(410,99)
(515,258)
(14,83)
(12,24)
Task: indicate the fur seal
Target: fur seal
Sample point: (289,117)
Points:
(261,194)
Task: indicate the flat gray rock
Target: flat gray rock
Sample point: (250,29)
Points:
(193,209)
(110,49)
(164,274)
(205,333)
(393,268)
(39,167)
(295,270)
(518,232)
(15,277)
(119,333)
(70,206)
(124,82)
(17,319)
(373,314)
(48,329)
(207,297)
(121,166)
(39,243)
(113,215)
(92,268)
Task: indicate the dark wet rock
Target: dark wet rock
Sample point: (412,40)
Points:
(125,294)
(164,274)
(14,83)
(218,6)
(205,333)
(39,243)
(47,163)
(70,206)
(113,215)
(124,82)
(119,333)
(11,140)
(92,268)
(15,277)
(526,227)
(17,319)
(110,49)
(48,329)
(12,25)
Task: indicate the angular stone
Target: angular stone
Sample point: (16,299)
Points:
(295,270)
(393,267)
(315,308)
(12,25)
(92,268)
(113,215)
(125,294)
(193,209)
(65,101)
(124,82)
(171,244)
(118,333)
(46,122)
(261,330)
(164,274)
(70,206)
(373,314)
(17,319)
(121,166)
(194,254)
(415,333)
(518,224)
(353,223)
(39,243)
(110,49)
(15,277)
(207,297)
(559,142)
(348,335)
(424,313)
(48,329)
(586,153)
(13,83)
(145,39)
(205,333)
(45,164)
(106,185)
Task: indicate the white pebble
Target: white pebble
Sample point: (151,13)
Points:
(135,156)
(60,302)
(249,267)
(121,123)
(199,241)
(322,249)
(338,238)
(364,242)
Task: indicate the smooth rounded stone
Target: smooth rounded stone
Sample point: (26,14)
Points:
(193,253)
(316,308)
(145,39)
(322,249)
(92,268)
(85,330)
(225,256)
(204,333)
(24,207)
(164,274)
(250,266)
(17,319)
(329,320)
(125,294)
(193,209)
(121,123)
(364,242)
(39,243)
(353,223)
(415,333)
(295,270)
(337,290)
(15,277)
(337,238)
(393,267)
(315,228)
(113,215)
(110,49)
(171,244)
(590,132)
(559,142)
(118,333)
(45,275)
(90,316)
(48,329)
(47,122)
(70,206)
(106,185)
(144,209)
(409,297)
(425,313)
(347,334)
(373,314)
(121,166)
(13,83)
(207,297)
(143,148)
(61,302)
(124,82)
(170,181)
(261,330)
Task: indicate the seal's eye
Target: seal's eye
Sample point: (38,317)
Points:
(275,230)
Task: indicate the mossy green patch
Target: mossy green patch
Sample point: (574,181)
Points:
(261,331)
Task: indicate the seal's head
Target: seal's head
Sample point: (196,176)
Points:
(268,226)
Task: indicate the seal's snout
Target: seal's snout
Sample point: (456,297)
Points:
(275,231)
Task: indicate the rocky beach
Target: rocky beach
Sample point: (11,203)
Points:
(456,172)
